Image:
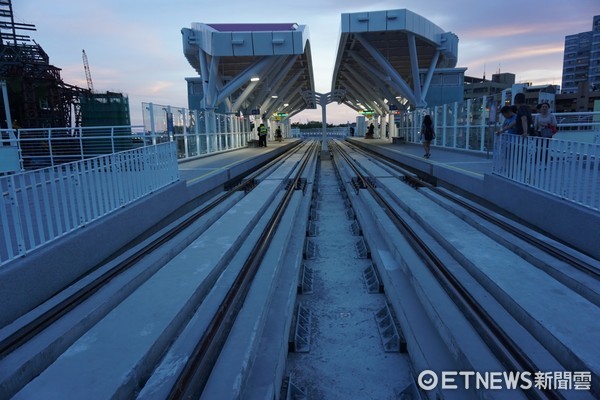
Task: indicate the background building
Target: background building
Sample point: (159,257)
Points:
(582,100)
(581,61)
(479,87)
(37,96)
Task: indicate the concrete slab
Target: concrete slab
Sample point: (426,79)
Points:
(125,345)
(236,360)
(27,282)
(470,172)
(564,321)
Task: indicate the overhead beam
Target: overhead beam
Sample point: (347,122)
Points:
(383,62)
(243,78)
(430,72)
(372,96)
(403,90)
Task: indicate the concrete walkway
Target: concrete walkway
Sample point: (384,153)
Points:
(479,163)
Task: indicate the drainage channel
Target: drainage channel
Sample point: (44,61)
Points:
(345,345)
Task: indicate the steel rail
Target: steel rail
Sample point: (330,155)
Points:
(195,374)
(561,255)
(499,341)
(47,318)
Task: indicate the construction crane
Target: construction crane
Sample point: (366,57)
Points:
(86,67)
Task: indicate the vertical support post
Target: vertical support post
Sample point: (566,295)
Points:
(437,124)
(169,118)
(445,122)
(50,148)
(414,63)
(211,128)
(324,147)
(197,132)
(16,214)
(152,126)
(468,124)
(186,152)
(112,139)
(6,106)
(455,124)
(483,124)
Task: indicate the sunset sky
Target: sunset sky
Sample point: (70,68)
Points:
(135,47)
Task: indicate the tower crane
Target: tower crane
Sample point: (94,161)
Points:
(86,67)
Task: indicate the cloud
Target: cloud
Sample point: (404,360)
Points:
(135,47)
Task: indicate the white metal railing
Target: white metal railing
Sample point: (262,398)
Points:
(338,132)
(564,168)
(8,137)
(41,205)
(471,124)
(196,132)
(190,145)
(47,147)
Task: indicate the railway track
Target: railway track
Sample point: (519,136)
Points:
(576,260)
(43,336)
(206,308)
(513,337)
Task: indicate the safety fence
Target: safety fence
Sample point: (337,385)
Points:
(336,133)
(472,124)
(196,132)
(563,168)
(47,147)
(42,205)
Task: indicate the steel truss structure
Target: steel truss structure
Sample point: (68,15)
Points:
(37,95)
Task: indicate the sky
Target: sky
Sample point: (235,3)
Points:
(135,46)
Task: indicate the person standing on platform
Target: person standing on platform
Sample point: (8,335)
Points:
(508,126)
(545,122)
(524,124)
(262,136)
(370,132)
(278,135)
(545,126)
(427,134)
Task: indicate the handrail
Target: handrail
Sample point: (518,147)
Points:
(562,168)
(39,206)
(48,147)
(471,124)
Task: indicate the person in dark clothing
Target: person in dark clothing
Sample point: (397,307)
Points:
(262,135)
(428,134)
(371,132)
(524,120)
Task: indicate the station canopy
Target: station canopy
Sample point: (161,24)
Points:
(259,69)
(387,59)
